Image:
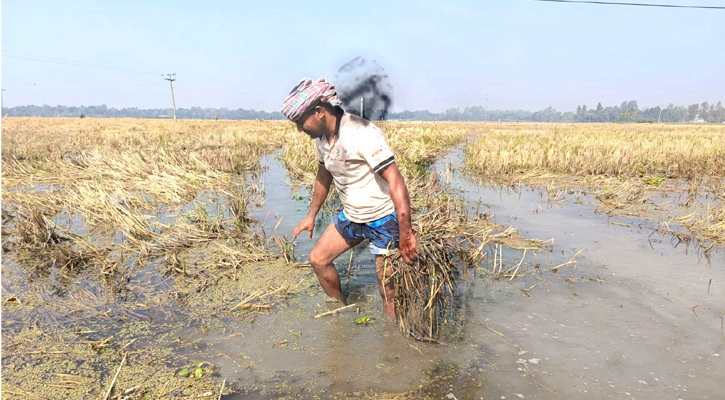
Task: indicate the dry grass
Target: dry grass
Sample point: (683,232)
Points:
(631,169)
(226,145)
(42,246)
(707,225)
(115,194)
(127,175)
(131,160)
(671,151)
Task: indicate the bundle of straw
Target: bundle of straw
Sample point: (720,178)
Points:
(449,240)
(424,290)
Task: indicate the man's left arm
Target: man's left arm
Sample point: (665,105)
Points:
(401,201)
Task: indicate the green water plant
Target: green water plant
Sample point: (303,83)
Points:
(651,180)
(196,371)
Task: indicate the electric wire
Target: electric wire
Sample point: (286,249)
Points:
(633,4)
(60,61)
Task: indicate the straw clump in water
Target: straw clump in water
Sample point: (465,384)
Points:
(424,290)
(449,240)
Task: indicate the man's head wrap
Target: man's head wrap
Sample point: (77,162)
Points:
(307,94)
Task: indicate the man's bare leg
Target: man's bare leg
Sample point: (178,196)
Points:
(330,245)
(387,287)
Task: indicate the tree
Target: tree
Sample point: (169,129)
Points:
(704,111)
(624,107)
(629,111)
(692,111)
(711,114)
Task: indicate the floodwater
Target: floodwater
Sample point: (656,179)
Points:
(635,317)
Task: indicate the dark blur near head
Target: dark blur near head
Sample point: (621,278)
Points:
(364,78)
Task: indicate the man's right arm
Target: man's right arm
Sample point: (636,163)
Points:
(319,194)
(322,188)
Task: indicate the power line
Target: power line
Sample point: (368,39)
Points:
(137,90)
(633,4)
(268,94)
(61,61)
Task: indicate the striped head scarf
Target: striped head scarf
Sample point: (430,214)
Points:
(307,94)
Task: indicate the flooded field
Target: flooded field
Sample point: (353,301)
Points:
(613,306)
(622,315)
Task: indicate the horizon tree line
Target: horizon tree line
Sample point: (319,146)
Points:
(628,111)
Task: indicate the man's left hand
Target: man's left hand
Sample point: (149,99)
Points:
(409,248)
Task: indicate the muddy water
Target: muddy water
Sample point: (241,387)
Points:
(619,323)
(634,317)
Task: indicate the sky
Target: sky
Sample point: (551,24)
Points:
(522,54)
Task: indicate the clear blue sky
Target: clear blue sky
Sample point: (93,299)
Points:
(438,54)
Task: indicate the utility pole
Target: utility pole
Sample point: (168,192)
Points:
(171,78)
(362,107)
(660,116)
(2,103)
(486,113)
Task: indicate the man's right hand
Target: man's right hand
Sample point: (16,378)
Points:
(307,224)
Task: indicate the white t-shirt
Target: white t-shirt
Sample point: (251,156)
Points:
(355,159)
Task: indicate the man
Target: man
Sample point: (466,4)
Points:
(353,153)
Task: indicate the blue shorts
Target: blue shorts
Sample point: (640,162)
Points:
(383,233)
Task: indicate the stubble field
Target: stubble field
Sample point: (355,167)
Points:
(163,243)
